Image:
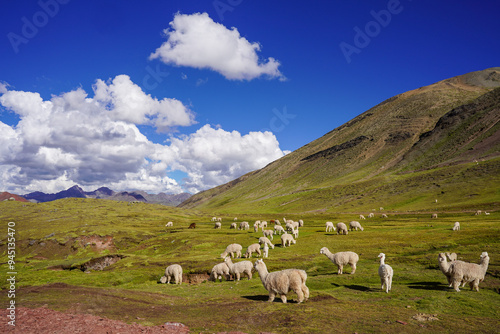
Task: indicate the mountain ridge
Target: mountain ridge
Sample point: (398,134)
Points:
(107,193)
(360,158)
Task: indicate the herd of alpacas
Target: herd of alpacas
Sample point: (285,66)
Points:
(282,282)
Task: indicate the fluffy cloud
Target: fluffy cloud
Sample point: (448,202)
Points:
(197,41)
(76,139)
(94,141)
(211,156)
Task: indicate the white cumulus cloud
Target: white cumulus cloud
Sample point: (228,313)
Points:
(212,157)
(95,141)
(197,41)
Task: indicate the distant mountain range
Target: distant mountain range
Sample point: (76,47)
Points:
(106,193)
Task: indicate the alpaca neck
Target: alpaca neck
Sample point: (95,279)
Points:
(484,264)
(327,253)
(382,261)
(262,270)
(444,265)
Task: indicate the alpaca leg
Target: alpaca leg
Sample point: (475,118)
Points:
(456,284)
(283,298)
(249,274)
(353,266)
(305,290)
(475,285)
(237,276)
(340,269)
(272,295)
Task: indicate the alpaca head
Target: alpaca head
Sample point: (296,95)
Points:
(484,256)
(442,257)
(381,256)
(259,263)
(323,250)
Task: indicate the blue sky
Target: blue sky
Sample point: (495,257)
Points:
(99,93)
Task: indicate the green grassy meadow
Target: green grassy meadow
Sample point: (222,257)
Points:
(54,238)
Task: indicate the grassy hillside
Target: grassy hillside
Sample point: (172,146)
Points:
(53,238)
(401,154)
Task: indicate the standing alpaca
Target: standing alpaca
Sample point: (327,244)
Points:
(464,272)
(341,259)
(385,272)
(281,282)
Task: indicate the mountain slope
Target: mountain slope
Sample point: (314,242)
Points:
(369,159)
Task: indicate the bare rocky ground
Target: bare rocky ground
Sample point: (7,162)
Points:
(44,320)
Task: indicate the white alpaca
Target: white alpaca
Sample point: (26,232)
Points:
(464,272)
(233,249)
(361,217)
(287,240)
(456,226)
(281,282)
(265,240)
(291,225)
(371,215)
(341,259)
(218,271)
(385,272)
(265,252)
(244,226)
(434,215)
(217,225)
(233,226)
(444,266)
(268,233)
(355,225)
(169,224)
(238,268)
(342,228)
(253,248)
(278,229)
(329,227)
(174,272)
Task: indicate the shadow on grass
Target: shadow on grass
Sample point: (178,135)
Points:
(360,288)
(265,298)
(427,286)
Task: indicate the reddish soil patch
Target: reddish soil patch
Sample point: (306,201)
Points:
(43,320)
(97,242)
